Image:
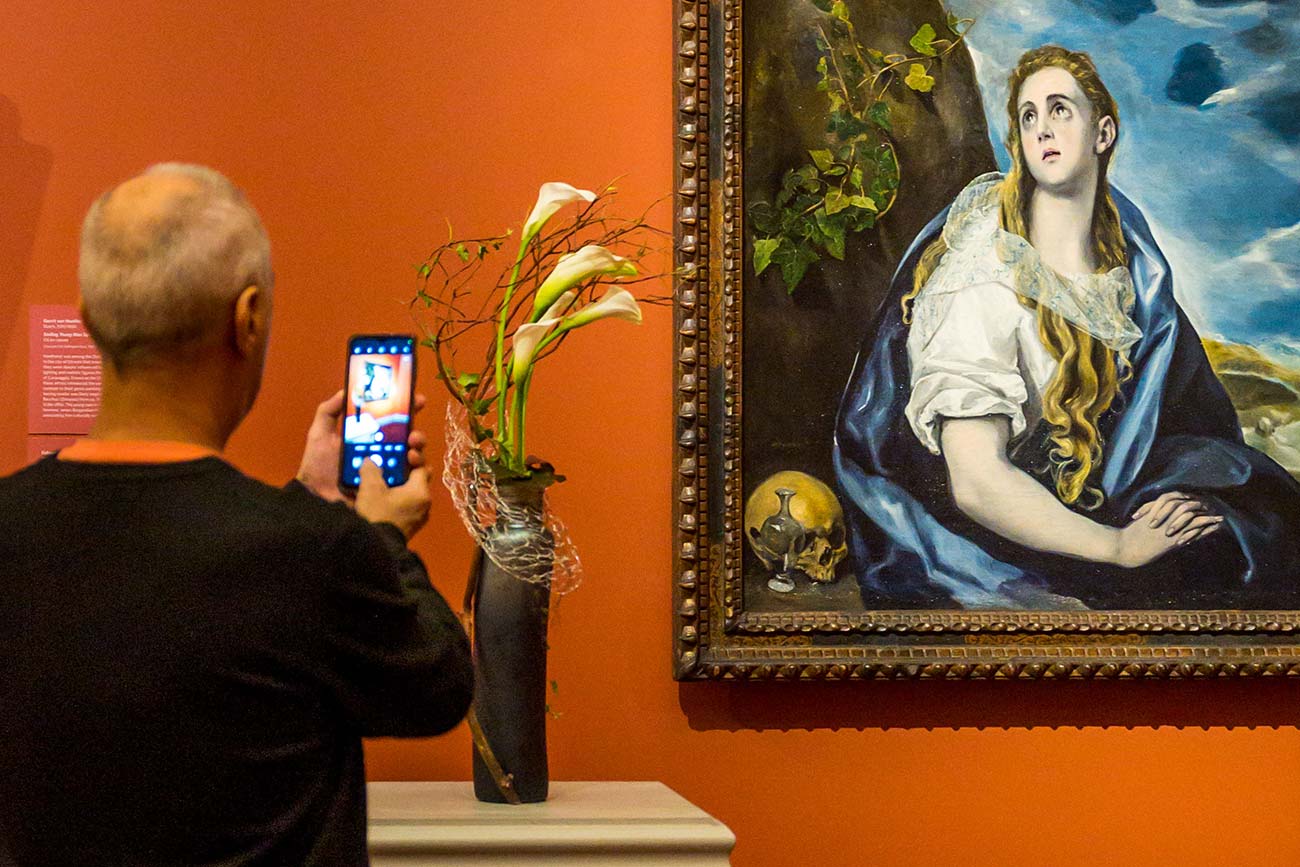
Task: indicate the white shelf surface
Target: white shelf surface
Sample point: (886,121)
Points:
(622,824)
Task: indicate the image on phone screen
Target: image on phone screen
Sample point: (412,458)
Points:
(377,408)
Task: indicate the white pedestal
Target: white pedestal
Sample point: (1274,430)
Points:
(583,825)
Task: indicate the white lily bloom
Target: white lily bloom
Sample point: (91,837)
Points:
(561,305)
(523,346)
(574,268)
(550,198)
(616,303)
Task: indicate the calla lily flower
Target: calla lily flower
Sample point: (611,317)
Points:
(590,261)
(616,303)
(523,346)
(561,306)
(550,198)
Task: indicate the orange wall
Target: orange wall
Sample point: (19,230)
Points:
(357,128)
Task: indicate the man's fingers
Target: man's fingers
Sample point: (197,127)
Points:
(419,404)
(371,474)
(329,410)
(419,478)
(415,445)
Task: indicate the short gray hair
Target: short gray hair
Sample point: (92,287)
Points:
(166,280)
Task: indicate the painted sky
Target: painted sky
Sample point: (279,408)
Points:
(1209,100)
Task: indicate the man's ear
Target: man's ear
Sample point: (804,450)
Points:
(1105,134)
(252,320)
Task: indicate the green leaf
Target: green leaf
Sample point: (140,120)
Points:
(836,98)
(824,5)
(877,57)
(879,115)
(835,244)
(796,217)
(764,218)
(836,170)
(861,219)
(425,270)
(846,125)
(918,79)
(954,24)
(794,260)
(923,41)
(836,201)
(839,10)
(822,66)
(462,252)
(763,249)
(468,380)
(832,231)
(887,164)
(823,159)
(854,66)
(863,202)
(802,178)
(482,251)
(481,407)
(809,180)
(855,177)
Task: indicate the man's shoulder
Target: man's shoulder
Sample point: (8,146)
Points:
(219,492)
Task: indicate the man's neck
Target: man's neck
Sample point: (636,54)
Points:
(1060,228)
(165,404)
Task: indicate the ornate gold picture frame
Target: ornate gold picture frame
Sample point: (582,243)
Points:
(774,339)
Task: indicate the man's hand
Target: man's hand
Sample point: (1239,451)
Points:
(405,506)
(319,471)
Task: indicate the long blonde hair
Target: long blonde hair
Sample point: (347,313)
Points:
(1088,373)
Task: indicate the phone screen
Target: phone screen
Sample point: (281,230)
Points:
(377,406)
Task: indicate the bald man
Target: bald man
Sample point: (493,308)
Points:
(190,658)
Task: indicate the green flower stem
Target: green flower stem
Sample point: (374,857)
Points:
(519,406)
(519,401)
(504,438)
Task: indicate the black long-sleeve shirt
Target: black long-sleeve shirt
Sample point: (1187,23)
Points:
(189,659)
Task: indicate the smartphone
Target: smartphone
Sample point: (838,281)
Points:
(378,395)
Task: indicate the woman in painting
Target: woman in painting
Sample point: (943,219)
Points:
(1033,423)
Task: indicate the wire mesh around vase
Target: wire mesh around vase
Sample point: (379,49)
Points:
(473,488)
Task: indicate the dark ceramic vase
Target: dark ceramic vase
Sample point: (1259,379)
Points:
(510,616)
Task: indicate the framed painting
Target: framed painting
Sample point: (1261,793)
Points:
(987,345)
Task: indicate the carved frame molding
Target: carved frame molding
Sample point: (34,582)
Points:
(714,637)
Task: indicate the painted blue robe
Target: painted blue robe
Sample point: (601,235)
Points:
(1172,428)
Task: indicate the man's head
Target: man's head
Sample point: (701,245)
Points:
(176,279)
(165,257)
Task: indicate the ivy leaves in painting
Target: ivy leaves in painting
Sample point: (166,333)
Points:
(852,182)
